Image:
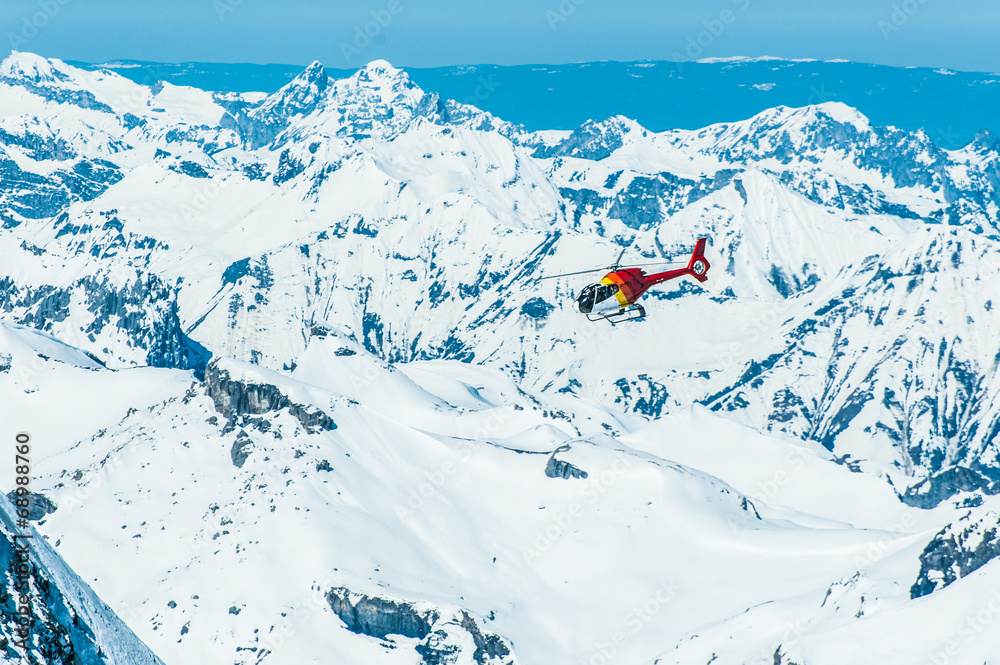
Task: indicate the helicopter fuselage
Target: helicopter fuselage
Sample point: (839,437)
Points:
(614,297)
(621,288)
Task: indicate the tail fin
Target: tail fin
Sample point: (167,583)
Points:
(698,265)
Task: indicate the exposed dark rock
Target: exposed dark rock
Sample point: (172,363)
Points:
(259,126)
(192,169)
(144,310)
(258,269)
(37,146)
(945,484)
(66,629)
(55,640)
(255,171)
(379,617)
(643,395)
(557,468)
(288,168)
(235,270)
(236,399)
(959,549)
(591,140)
(56,93)
(36,196)
(442,637)
(645,201)
(488,646)
(536,308)
(38,506)
(242,447)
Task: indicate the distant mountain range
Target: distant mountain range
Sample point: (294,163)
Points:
(951,106)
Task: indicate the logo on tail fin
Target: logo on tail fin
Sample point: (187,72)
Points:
(698,265)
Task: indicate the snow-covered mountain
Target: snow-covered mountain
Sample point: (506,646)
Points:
(302,397)
(951,106)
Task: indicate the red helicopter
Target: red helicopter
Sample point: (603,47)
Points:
(614,297)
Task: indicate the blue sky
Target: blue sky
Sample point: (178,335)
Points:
(957,34)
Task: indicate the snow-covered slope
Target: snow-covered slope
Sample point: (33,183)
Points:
(311,389)
(69,623)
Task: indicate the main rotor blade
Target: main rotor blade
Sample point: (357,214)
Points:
(569,274)
(631,265)
(656,263)
(618,260)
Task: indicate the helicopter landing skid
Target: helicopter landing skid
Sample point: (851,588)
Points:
(633,313)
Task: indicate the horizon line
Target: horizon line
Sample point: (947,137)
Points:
(719,60)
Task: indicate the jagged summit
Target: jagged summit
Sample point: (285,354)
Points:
(313,69)
(985,142)
(301,95)
(378,96)
(595,139)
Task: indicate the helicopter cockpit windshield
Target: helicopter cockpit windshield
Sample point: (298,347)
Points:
(594,294)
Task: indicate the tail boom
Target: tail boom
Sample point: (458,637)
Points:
(697,267)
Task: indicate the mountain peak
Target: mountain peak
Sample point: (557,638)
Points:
(31,67)
(301,95)
(314,72)
(312,76)
(823,113)
(595,139)
(383,68)
(383,74)
(842,113)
